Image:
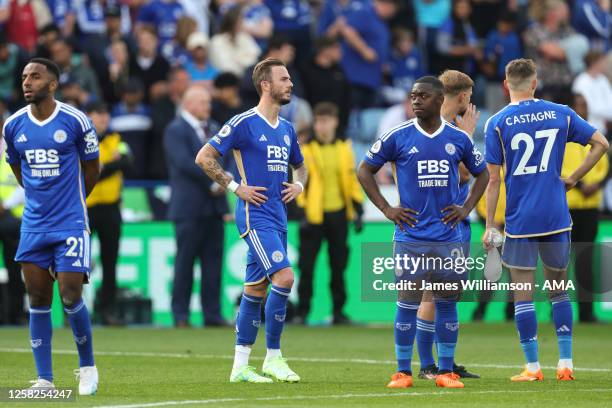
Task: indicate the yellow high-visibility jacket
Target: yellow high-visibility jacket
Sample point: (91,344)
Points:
(312,198)
(574,156)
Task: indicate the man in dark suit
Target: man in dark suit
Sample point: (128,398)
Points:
(196,207)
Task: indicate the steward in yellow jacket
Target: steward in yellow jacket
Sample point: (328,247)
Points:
(331,199)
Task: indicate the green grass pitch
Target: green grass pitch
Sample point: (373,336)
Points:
(346,366)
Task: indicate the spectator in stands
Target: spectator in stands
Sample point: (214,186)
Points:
(430,15)
(332,14)
(118,70)
(456,42)
(103,208)
(279,47)
(197,207)
(76,68)
(149,65)
(592,18)
(12,198)
(550,42)
(258,22)
(324,80)
(91,18)
(502,46)
(11,62)
(131,118)
(198,10)
(405,66)
(108,57)
(292,18)
(595,87)
(162,16)
(226,101)
(163,112)
(584,201)
(331,200)
(48,35)
(63,13)
(71,92)
(22,21)
(396,115)
(199,66)
(176,51)
(233,49)
(365,47)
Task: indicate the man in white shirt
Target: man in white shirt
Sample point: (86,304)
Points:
(596,89)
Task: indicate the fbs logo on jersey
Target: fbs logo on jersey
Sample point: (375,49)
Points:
(433,173)
(91,141)
(44,163)
(277,158)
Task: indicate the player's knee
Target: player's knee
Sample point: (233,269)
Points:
(283,278)
(70,295)
(258,290)
(38,298)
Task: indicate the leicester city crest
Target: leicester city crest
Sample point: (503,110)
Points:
(450,148)
(60,136)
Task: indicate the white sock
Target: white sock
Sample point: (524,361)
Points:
(273,353)
(566,363)
(533,367)
(241,356)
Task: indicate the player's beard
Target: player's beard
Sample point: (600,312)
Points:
(282,98)
(38,96)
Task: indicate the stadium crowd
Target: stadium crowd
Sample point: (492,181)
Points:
(136,59)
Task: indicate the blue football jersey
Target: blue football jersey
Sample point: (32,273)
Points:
(50,153)
(529,139)
(426,170)
(262,153)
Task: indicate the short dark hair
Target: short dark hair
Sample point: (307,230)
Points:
(325,42)
(50,28)
(51,66)
(277,42)
(326,109)
(592,57)
(433,81)
(226,80)
(96,106)
(263,71)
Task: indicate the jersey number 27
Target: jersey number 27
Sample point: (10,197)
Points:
(522,168)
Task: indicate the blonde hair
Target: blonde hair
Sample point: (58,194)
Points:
(519,74)
(455,82)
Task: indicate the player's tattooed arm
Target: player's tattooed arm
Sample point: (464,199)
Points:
(399,215)
(207,160)
(91,172)
(17,172)
(599,147)
(292,190)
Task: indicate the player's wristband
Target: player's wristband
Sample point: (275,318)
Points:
(232,186)
(299,184)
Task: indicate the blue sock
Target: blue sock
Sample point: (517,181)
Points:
(527,325)
(405,332)
(563,319)
(40,339)
(425,334)
(248,320)
(276,309)
(81,329)
(447,331)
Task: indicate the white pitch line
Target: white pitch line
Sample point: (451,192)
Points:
(338,396)
(303,359)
